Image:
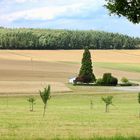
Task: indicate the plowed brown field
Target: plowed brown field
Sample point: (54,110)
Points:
(55,66)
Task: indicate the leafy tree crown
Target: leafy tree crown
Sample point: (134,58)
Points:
(107,100)
(45,95)
(31,99)
(127,8)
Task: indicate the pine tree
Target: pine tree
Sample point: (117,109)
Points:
(86,72)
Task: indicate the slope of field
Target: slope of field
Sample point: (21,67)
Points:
(58,66)
(114,56)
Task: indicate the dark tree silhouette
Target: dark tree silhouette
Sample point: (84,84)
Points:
(86,72)
(127,8)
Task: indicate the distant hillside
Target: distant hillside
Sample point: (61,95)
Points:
(64,39)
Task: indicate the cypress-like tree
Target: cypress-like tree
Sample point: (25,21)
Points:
(45,95)
(86,72)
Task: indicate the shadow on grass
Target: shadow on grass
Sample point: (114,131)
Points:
(100,138)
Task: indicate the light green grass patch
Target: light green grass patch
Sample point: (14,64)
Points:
(69,115)
(131,67)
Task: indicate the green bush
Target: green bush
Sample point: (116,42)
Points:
(107,80)
(113,81)
(99,82)
(124,80)
(83,79)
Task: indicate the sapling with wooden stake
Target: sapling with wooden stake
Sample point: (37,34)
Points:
(139,101)
(45,96)
(31,101)
(91,104)
(108,101)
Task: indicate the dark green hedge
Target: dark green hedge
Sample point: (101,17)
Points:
(107,80)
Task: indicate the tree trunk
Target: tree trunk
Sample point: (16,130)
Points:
(44,110)
(32,107)
(91,104)
(106,109)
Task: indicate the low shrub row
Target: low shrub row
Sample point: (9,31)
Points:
(107,80)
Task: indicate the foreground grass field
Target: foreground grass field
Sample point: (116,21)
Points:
(70,116)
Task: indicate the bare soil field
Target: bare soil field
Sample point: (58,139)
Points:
(27,71)
(28,87)
(119,56)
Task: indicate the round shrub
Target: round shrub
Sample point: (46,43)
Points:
(124,80)
(99,82)
(113,81)
(107,80)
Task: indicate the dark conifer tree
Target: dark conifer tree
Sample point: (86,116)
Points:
(86,72)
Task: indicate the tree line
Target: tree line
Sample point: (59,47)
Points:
(24,38)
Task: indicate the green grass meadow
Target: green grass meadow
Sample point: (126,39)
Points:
(69,116)
(130,67)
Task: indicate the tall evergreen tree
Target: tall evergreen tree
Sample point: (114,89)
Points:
(86,72)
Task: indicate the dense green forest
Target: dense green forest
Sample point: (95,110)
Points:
(64,39)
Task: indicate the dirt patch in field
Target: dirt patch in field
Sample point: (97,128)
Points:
(30,87)
(14,70)
(23,77)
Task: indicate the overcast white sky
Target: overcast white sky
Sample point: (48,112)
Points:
(63,14)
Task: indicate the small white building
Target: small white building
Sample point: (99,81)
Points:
(71,80)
